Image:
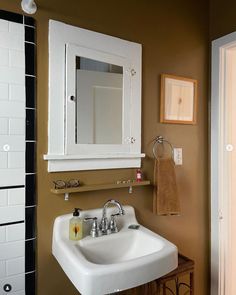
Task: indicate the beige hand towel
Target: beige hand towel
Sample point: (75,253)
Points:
(165,194)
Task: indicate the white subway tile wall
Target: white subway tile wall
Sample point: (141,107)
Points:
(12,156)
(4,126)
(15,232)
(17,92)
(10,176)
(17,202)
(10,214)
(3,160)
(3,271)
(11,75)
(16,143)
(4,25)
(17,58)
(18,293)
(4,91)
(12,105)
(16,196)
(15,266)
(10,250)
(12,39)
(4,57)
(16,126)
(16,160)
(2,234)
(11,109)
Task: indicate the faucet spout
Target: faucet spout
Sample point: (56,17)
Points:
(118,204)
(104,225)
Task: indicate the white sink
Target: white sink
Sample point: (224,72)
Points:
(112,263)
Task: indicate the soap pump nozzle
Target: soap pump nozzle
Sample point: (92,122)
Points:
(77,212)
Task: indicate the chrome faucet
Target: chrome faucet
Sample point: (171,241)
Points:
(110,227)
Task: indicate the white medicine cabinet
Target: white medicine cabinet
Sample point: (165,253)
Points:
(94,100)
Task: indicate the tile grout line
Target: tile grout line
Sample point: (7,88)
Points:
(11,223)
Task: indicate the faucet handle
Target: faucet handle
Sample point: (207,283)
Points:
(95,231)
(113,225)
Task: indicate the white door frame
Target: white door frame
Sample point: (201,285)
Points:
(220,168)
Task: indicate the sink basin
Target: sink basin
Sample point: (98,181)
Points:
(115,262)
(127,245)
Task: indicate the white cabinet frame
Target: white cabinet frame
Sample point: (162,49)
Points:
(61,157)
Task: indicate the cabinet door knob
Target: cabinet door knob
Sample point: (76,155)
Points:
(132,140)
(73,98)
(133,72)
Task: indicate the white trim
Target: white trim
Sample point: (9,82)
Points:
(220,164)
(90,157)
(93,164)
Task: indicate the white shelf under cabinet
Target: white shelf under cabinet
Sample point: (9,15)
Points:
(59,162)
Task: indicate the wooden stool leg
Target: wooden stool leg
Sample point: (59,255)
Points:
(154,288)
(164,289)
(158,288)
(177,286)
(191,283)
(150,290)
(143,291)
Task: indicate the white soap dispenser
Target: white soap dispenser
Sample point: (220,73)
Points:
(76,226)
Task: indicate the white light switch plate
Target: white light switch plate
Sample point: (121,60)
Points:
(178,156)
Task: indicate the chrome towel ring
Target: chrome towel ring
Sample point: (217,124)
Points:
(160,140)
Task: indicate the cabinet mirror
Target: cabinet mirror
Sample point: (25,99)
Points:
(98,102)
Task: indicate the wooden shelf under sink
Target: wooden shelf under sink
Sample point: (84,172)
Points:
(94,187)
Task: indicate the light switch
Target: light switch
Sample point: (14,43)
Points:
(178,156)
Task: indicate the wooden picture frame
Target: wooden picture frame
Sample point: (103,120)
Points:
(178,100)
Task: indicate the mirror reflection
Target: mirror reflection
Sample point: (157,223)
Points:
(99,92)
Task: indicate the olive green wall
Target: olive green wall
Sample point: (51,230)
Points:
(222,18)
(174,35)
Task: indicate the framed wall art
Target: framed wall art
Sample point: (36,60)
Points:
(178,100)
